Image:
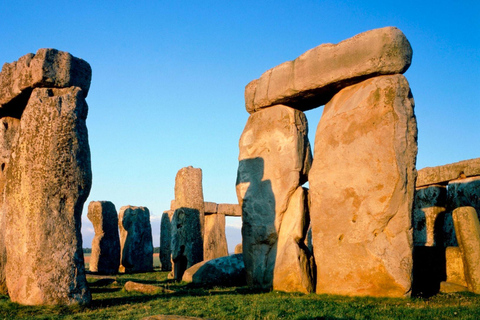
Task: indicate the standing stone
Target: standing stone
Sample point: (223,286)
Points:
(9,128)
(274,161)
(294,266)
(362,189)
(136,245)
(467,228)
(190,220)
(428,215)
(105,258)
(238,249)
(454,266)
(166,240)
(215,240)
(187,246)
(48,180)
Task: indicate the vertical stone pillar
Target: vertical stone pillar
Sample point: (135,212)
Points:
(274,161)
(215,240)
(48,180)
(467,229)
(188,221)
(362,188)
(9,128)
(428,215)
(165,240)
(105,258)
(136,245)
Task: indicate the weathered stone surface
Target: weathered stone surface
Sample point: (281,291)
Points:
(316,76)
(210,207)
(188,196)
(454,266)
(187,243)
(144,288)
(362,189)
(215,240)
(47,68)
(136,247)
(166,240)
(467,228)
(48,180)
(444,174)
(105,257)
(9,128)
(224,271)
(293,270)
(229,210)
(449,287)
(238,249)
(274,160)
(428,213)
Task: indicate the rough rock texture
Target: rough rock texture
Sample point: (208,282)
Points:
(362,188)
(312,79)
(166,240)
(136,247)
(189,191)
(9,128)
(238,249)
(46,68)
(187,243)
(274,160)
(229,210)
(215,240)
(461,193)
(224,271)
(105,257)
(446,173)
(293,270)
(144,288)
(467,228)
(210,207)
(449,287)
(454,266)
(48,180)
(428,215)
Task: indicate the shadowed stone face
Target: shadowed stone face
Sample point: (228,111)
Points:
(105,258)
(274,160)
(48,181)
(136,246)
(362,188)
(166,240)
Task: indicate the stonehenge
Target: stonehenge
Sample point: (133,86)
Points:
(368,224)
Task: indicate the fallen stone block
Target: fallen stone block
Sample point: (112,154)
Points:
(224,271)
(145,288)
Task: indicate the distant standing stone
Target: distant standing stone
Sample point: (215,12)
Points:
(105,258)
(48,180)
(166,240)
(215,239)
(136,246)
(238,249)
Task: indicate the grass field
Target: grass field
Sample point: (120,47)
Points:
(111,301)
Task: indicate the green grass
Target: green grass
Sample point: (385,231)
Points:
(110,301)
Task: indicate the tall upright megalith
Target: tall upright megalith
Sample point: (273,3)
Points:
(274,161)
(166,240)
(48,180)
(188,221)
(362,187)
(9,128)
(105,257)
(136,245)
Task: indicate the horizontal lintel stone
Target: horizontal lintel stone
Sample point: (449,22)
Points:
(444,174)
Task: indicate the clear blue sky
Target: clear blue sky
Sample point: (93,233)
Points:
(169,77)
